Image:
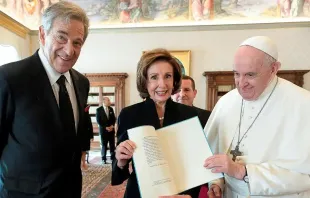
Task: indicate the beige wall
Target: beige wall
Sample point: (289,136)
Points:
(212,49)
(9,38)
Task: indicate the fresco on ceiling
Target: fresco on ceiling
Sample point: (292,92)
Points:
(105,13)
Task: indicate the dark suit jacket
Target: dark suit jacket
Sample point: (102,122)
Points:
(89,130)
(203,116)
(103,121)
(144,113)
(36,160)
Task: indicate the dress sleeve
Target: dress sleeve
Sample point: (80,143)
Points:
(120,175)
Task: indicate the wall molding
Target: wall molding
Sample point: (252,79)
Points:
(12,25)
(201,27)
(219,27)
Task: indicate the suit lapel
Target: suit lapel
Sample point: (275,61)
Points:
(44,92)
(105,113)
(170,117)
(171,113)
(79,96)
(150,113)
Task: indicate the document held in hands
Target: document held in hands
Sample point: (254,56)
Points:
(170,160)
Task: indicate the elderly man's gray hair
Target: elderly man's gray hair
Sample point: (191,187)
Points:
(268,60)
(66,11)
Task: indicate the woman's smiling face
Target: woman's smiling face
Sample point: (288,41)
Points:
(160,81)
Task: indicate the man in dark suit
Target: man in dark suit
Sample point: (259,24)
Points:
(187,94)
(106,120)
(42,101)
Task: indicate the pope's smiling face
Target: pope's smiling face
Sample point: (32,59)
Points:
(251,73)
(62,44)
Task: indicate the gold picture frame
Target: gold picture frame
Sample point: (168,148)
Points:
(184,57)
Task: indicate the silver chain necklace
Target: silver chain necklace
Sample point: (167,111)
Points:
(236,152)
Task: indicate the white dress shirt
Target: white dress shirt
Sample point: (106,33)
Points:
(106,110)
(53,76)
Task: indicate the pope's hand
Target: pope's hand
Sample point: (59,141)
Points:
(175,196)
(124,152)
(224,164)
(214,191)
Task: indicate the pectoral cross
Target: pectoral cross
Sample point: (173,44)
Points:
(235,153)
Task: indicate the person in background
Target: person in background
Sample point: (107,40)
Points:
(259,132)
(158,77)
(42,102)
(106,120)
(186,95)
(89,128)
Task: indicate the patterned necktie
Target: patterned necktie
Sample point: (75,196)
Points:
(107,111)
(65,108)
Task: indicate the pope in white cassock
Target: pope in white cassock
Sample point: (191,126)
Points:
(260,132)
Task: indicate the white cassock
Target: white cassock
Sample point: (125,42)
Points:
(276,149)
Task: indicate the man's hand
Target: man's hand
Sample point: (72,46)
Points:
(224,164)
(175,196)
(214,191)
(110,128)
(124,152)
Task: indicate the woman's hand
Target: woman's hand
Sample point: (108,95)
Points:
(124,152)
(214,191)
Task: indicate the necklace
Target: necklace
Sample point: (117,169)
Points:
(236,152)
(158,108)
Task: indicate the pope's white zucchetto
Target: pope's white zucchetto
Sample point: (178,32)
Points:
(262,43)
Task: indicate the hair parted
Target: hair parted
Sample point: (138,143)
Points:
(148,59)
(64,10)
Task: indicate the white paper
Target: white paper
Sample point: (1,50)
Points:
(170,160)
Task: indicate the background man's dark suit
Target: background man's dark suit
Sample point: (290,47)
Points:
(145,113)
(106,136)
(36,160)
(203,116)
